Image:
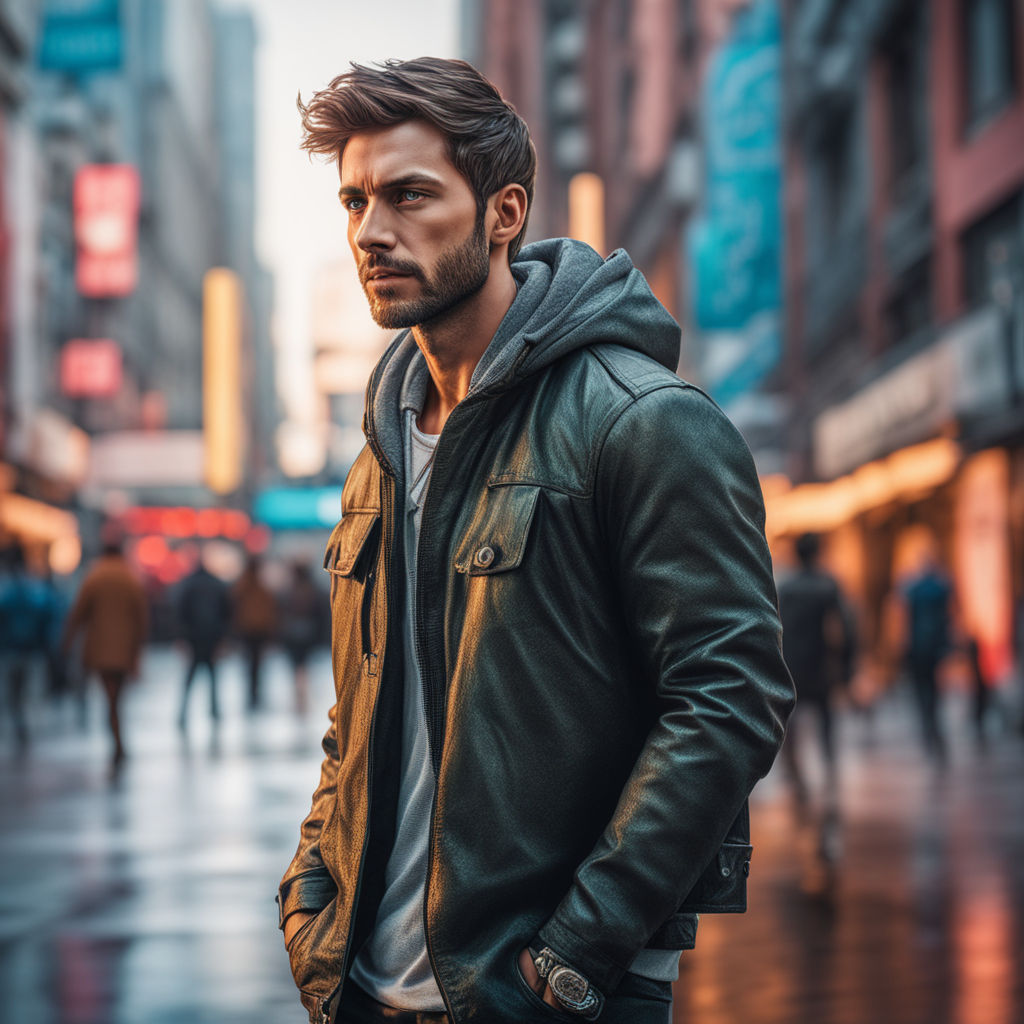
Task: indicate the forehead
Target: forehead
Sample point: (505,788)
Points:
(383,154)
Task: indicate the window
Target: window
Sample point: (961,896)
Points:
(907,75)
(990,60)
(992,248)
(836,158)
(909,310)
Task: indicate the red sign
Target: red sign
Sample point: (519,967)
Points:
(90,368)
(106,205)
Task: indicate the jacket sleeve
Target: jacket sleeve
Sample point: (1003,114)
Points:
(307,884)
(681,511)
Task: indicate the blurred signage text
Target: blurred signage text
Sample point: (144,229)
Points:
(106,206)
(80,36)
(298,508)
(183,521)
(965,373)
(90,368)
(147,459)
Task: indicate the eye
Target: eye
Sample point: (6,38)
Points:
(353,204)
(409,195)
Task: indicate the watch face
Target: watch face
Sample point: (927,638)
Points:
(568,987)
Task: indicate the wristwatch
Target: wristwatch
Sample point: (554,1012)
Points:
(573,992)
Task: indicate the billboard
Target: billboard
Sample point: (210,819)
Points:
(90,368)
(80,36)
(735,247)
(106,214)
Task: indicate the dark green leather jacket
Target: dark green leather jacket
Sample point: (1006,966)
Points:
(600,648)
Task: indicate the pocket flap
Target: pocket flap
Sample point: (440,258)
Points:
(347,541)
(722,888)
(496,539)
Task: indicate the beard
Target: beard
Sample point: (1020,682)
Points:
(460,273)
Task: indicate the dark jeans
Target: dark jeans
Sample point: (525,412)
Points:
(636,1001)
(924,676)
(357,1007)
(201,657)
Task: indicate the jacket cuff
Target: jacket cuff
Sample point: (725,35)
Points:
(598,968)
(310,890)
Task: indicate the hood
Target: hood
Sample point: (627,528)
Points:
(568,298)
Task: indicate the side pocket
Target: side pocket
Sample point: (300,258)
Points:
(722,888)
(348,541)
(351,557)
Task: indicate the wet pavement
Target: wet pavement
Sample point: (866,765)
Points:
(149,899)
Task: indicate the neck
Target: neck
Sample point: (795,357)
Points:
(453,343)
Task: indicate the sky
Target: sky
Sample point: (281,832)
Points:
(303,44)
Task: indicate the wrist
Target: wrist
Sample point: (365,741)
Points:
(571,990)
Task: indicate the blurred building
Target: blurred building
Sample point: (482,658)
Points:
(657,129)
(133,180)
(904,202)
(346,347)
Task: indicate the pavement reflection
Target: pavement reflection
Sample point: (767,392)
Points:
(148,899)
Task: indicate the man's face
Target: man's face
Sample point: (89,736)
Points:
(418,240)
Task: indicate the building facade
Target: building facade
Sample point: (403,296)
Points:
(904,291)
(134,178)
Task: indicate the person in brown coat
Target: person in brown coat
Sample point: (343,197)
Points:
(255,612)
(111,613)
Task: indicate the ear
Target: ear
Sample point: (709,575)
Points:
(508,208)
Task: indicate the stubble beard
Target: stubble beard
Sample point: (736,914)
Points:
(460,273)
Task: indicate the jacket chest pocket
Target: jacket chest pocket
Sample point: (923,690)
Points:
(351,559)
(495,541)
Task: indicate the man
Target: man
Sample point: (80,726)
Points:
(204,612)
(818,645)
(555,638)
(111,612)
(255,612)
(28,609)
(928,599)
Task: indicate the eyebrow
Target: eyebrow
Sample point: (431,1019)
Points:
(407,181)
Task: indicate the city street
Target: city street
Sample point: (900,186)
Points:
(149,899)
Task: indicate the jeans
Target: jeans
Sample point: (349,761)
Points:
(636,1001)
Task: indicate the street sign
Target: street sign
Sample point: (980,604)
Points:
(90,368)
(80,36)
(106,211)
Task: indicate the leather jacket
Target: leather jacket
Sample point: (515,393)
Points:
(603,682)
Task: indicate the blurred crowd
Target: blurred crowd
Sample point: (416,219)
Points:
(54,637)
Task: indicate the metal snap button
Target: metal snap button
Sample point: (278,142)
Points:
(484,557)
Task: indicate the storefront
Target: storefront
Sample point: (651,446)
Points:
(909,471)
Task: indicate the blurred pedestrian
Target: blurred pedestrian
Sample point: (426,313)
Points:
(204,614)
(255,620)
(818,643)
(111,614)
(27,612)
(927,598)
(303,626)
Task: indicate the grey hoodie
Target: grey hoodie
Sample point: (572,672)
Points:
(568,298)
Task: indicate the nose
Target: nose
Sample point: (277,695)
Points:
(375,232)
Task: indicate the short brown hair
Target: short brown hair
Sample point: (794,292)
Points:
(488,142)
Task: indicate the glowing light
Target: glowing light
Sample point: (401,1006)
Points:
(65,555)
(904,475)
(222,379)
(151,551)
(586,210)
